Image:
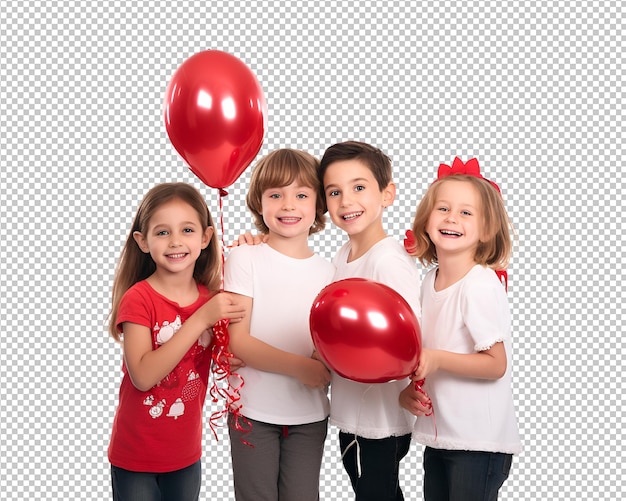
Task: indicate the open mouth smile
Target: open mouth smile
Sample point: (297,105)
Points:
(177,256)
(352,215)
(289,220)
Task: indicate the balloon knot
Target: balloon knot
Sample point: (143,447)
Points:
(223,192)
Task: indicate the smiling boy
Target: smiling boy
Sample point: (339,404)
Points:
(374,431)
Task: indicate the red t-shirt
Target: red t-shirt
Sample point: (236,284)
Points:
(160,430)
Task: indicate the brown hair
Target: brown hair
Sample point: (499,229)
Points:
(495,251)
(135,265)
(281,168)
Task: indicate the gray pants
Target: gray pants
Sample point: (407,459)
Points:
(282,463)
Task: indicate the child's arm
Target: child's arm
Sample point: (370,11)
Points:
(264,357)
(487,364)
(146,367)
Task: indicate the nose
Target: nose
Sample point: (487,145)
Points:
(288,203)
(450,217)
(345,200)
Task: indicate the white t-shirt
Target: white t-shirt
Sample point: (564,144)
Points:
(283,290)
(469,414)
(373,410)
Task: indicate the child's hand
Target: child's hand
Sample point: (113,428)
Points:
(428,364)
(249,239)
(222,305)
(235,363)
(416,402)
(316,356)
(314,374)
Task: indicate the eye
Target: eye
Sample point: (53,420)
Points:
(188,230)
(466,213)
(332,193)
(442,209)
(302,196)
(162,233)
(274,195)
(359,187)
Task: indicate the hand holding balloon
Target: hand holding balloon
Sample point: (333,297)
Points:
(428,363)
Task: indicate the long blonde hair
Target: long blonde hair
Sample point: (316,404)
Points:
(495,251)
(135,265)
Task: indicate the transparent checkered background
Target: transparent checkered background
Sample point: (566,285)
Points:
(534,89)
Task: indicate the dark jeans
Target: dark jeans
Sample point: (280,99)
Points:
(181,485)
(379,461)
(464,475)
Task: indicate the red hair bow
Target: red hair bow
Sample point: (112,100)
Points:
(469,168)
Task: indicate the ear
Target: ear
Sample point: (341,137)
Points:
(141,241)
(206,237)
(389,194)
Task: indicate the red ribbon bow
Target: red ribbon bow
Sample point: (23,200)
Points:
(469,168)
(410,244)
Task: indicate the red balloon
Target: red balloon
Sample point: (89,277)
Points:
(215,116)
(365,331)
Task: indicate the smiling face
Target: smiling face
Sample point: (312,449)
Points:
(289,211)
(174,237)
(354,200)
(455,224)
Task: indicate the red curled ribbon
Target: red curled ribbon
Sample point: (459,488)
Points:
(222,386)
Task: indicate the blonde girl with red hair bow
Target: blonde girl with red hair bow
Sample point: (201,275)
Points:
(461,229)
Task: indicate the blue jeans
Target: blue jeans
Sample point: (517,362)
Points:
(180,485)
(373,466)
(464,475)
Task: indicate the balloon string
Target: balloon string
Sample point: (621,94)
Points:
(222,386)
(355,441)
(418,387)
(222,193)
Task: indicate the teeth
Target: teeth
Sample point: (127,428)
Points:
(176,256)
(453,233)
(352,216)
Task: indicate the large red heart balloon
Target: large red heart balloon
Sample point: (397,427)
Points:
(215,116)
(365,331)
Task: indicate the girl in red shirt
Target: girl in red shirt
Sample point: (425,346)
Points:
(165,302)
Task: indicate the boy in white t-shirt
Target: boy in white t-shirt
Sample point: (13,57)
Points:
(284,395)
(374,431)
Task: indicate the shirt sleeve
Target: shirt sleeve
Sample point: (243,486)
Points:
(486,313)
(238,271)
(135,308)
